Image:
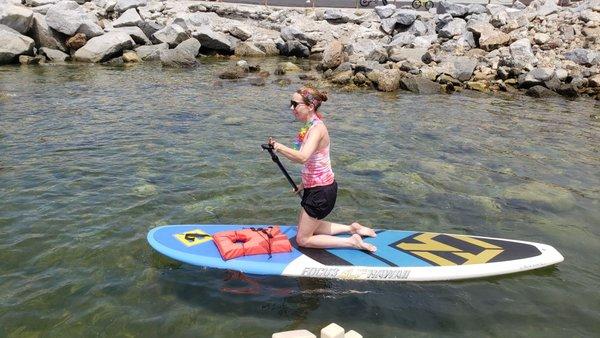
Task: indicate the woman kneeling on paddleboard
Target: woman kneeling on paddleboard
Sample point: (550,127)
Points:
(311,148)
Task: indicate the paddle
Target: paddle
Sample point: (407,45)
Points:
(269,148)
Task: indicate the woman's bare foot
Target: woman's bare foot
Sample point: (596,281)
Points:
(358,243)
(362,230)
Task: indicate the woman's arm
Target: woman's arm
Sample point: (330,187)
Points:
(309,146)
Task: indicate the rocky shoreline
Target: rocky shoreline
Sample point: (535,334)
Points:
(544,48)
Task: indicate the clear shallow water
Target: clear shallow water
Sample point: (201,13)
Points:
(93,157)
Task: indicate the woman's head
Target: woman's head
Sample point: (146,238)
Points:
(306,101)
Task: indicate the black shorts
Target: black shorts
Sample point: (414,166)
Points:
(319,201)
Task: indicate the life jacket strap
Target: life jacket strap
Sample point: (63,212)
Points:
(191,236)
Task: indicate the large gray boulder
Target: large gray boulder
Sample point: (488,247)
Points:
(406,17)
(389,24)
(217,41)
(413,55)
(171,34)
(424,41)
(388,80)
(385,12)
(13,44)
(16,17)
(135,33)
(522,54)
(44,36)
(335,15)
(66,17)
(191,21)
(333,55)
(453,28)
(291,33)
(547,8)
(583,56)
(90,29)
(402,39)
(191,46)
(150,27)
(151,52)
(418,28)
(499,15)
(456,10)
(476,9)
(268,46)
(104,47)
(459,67)
(487,37)
(420,85)
(368,50)
(248,49)
(129,18)
(539,91)
(175,58)
(536,76)
(54,55)
(123,5)
(241,33)
(293,48)
(38,3)
(589,15)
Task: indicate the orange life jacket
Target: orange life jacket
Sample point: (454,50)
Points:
(252,241)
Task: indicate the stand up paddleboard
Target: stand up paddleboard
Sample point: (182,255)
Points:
(400,256)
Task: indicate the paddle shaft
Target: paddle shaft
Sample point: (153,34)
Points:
(275,159)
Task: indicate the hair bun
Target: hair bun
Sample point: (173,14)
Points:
(323,96)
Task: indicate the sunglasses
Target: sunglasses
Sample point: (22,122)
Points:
(295,104)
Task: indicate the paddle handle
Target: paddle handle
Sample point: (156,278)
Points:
(270,149)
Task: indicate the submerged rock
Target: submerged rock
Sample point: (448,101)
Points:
(369,166)
(177,58)
(145,190)
(151,53)
(542,194)
(420,85)
(411,184)
(540,91)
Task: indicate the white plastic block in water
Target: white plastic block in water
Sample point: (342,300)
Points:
(332,331)
(352,334)
(294,334)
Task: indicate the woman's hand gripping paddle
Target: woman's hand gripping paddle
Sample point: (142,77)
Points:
(270,149)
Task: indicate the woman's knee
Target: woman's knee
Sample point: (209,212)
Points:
(302,241)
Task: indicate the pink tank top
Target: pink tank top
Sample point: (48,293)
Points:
(317,170)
